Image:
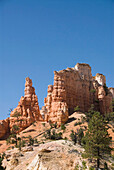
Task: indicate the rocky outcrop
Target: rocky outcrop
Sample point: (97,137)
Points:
(111,89)
(57,155)
(27,110)
(4,127)
(76,87)
(72,87)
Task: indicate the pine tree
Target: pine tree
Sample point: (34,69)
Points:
(97,139)
(17,114)
(1,159)
(90,113)
(80,135)
(73,136)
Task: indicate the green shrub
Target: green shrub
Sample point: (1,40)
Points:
(31,140)
(77,109)
(84,165)
(23,143)
(77,123)
(35,140)
(43,124)
(33,123)
(112,164)
(109,116)
(55,125)
(51,134)
(105,166)
(80,135)
(65,138)
(76,167)
(8,140)
(91,168)
(73,136)
(63,127)
(50,123)
(1,159)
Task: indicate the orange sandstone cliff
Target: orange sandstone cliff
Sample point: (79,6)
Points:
(76,87)
(27,108)
(72,87)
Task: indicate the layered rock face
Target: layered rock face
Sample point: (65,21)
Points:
(4,127)
(76,87)
(111,89)
(27,110)
(72,87)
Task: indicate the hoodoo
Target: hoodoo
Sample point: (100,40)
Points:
(72,87)
(27,110)
(76,87)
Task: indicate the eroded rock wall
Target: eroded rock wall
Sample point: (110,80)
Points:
(76,87)
(72,87)
(4,127)
(28,108)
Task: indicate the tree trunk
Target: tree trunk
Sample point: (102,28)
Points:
(98,161)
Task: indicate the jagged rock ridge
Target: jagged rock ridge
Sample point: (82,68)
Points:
(28,108)
(72,87)
(76,87)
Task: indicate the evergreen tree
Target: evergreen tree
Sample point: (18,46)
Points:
(73,136)
(15,129)
(80,135)
(1,159)
(90,113)
(17,115)
(31,140)
(97,139)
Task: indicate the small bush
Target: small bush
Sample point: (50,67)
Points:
(51,134)
(1,159)
(65,138)
(73,136)
(35,140)
(76,167)
(23,143)
(63,127)
(31,140)
(112,164)
(33,123)
(91,168)
(105,166)
(84,165)
(43,124)
(55,125)
(77,123)
(77,109)
(80,135)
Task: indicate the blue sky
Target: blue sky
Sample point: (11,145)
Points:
(40,36)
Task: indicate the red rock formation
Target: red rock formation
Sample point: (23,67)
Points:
(72,87)
(4,127)
(28,108)
(111,89)
(75,87)
(104,100)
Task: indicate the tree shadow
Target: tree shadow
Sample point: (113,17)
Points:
(31,130)
(71,119)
